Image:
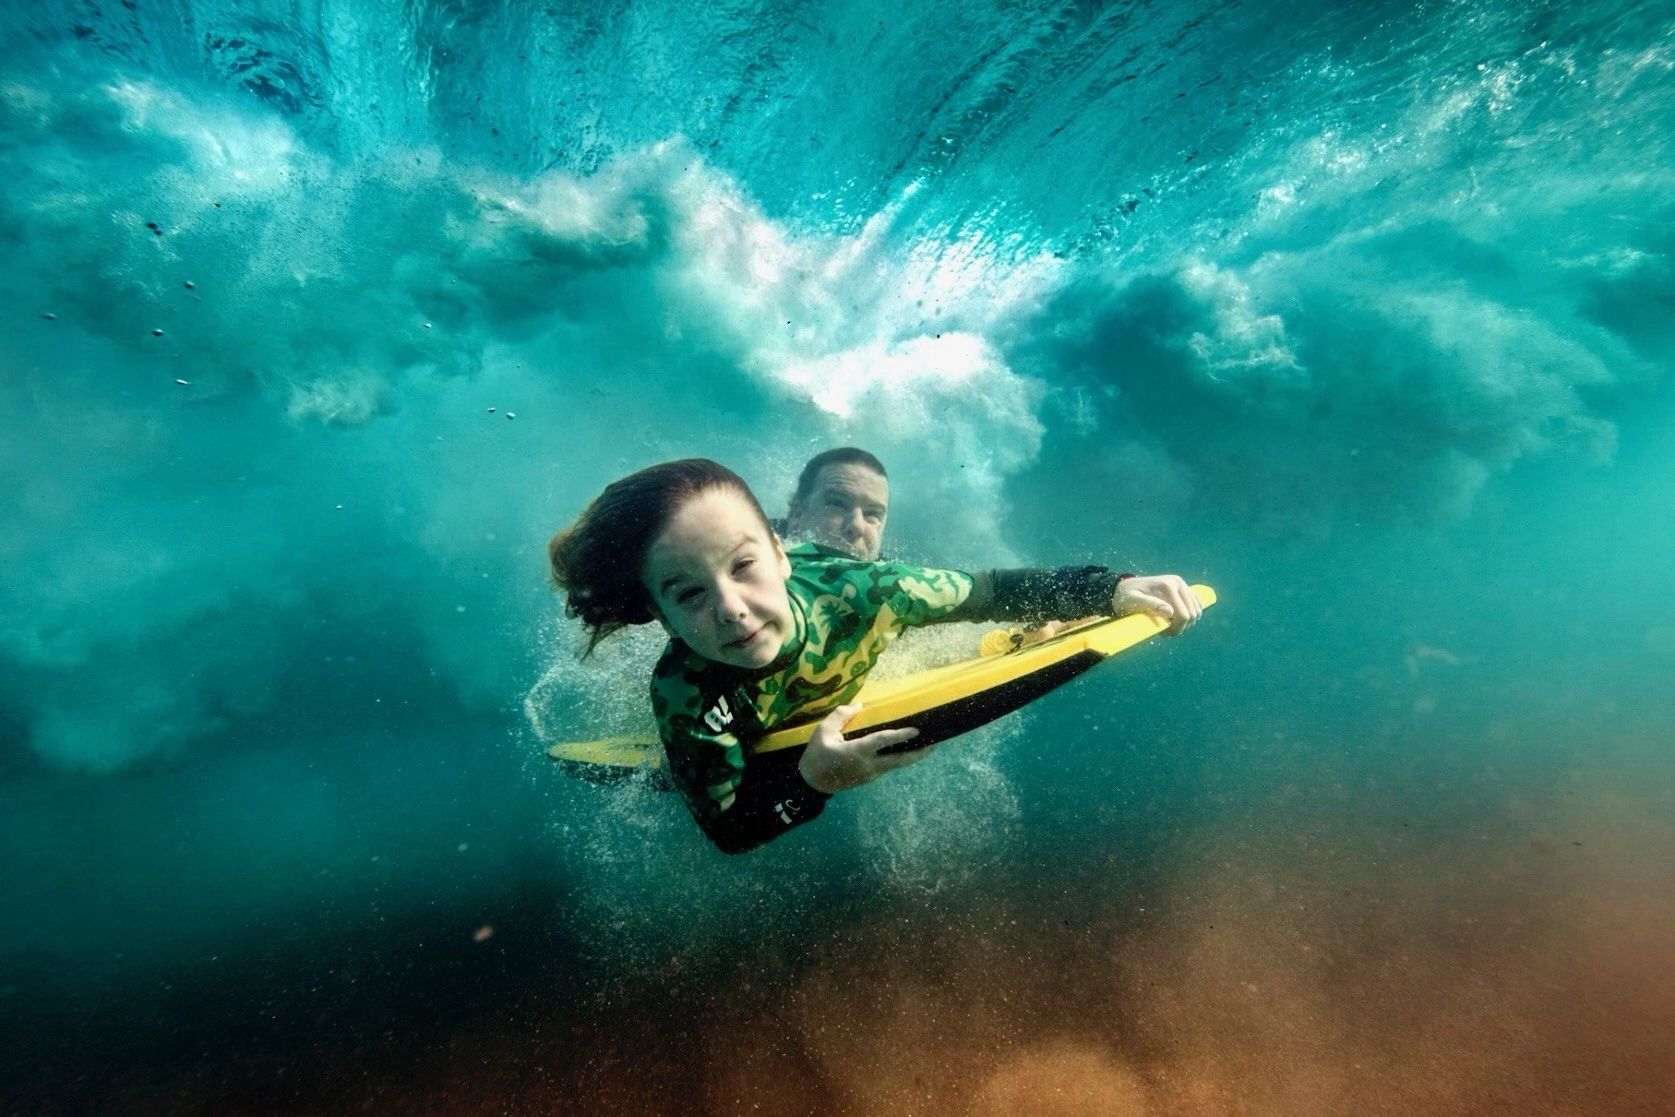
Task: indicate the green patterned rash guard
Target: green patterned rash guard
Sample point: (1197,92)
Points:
(845,612)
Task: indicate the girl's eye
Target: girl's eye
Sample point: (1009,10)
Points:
(687,596)
(742,565)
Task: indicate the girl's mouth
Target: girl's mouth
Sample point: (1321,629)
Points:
(745,641)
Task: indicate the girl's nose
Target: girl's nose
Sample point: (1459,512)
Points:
(729,605)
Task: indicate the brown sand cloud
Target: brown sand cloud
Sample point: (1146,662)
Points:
(1307,959)
(1326,969)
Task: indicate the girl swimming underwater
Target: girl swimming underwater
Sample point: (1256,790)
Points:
(761,636)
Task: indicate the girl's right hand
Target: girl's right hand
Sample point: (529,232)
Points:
(832,763)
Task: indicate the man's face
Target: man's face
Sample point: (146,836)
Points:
(846,508)
(717,580)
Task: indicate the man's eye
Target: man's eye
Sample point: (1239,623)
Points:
(874,517)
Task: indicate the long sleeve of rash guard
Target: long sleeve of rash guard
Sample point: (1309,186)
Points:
(772,798)
(1032,596)
(738,806)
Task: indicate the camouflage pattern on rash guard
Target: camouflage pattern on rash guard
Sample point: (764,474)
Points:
(845,612)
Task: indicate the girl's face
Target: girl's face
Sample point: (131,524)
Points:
(717,578)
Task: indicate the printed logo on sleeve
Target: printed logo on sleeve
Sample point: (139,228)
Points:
(719,716)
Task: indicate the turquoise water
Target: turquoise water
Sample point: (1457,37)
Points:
(1366,316)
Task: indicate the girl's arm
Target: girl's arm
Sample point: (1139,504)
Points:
(1033,596)
(737,806)
(921,595)
(740,807)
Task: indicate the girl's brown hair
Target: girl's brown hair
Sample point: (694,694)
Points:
(597,560)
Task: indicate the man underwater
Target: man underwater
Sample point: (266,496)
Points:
(842,501)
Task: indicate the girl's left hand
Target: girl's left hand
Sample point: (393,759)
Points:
(1164,596)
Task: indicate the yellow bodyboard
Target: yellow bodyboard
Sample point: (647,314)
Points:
(940,702)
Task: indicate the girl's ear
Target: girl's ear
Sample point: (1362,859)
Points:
(651,607)
(784,562)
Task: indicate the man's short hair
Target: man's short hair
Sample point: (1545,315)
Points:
(841,455)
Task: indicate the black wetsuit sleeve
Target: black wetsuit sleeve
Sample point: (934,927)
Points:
(1033,596)
(772,798)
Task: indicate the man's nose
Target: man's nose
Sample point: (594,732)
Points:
(856,523)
